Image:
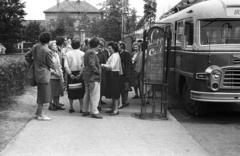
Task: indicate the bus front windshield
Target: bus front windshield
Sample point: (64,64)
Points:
(219,32)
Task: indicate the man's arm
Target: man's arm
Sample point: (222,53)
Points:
(92,63)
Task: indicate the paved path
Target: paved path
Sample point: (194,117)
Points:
(74,135)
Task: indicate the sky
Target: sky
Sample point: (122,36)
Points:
(35,8)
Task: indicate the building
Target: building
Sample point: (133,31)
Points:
(75,9)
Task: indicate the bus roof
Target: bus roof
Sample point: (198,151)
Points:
(208,9)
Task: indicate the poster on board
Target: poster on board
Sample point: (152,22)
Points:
(154,62)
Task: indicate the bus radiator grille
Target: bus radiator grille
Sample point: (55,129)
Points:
(231,78)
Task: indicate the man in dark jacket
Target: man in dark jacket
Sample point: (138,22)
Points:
(92,78)
(126,61)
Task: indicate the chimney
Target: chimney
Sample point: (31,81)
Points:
(58,1)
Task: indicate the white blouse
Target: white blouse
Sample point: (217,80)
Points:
(74,60)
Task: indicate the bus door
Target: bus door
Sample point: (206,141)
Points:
(184,61)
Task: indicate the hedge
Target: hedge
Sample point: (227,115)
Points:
(13,71)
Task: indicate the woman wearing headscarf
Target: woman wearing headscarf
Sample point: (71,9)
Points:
(74,65)
(41,56)
(56,79)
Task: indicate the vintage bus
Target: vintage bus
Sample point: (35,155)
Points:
(205,53)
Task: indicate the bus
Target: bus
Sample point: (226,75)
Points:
(204,60)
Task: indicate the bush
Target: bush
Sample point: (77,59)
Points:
(13,71)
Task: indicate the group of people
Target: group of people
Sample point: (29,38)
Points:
(97,71)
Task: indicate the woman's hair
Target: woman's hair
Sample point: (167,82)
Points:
(122,45)
(75,44)
(136,44)
(45,37)
(94,42)
(114,46)
(50,45)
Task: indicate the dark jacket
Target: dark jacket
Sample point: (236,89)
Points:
(92,69)
(126,61)
(41,56)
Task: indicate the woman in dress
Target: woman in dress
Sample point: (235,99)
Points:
(41,56)
(56,79)
(113,71)
(74,65)
(136,69)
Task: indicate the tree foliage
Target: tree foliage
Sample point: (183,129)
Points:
(63,25)
(150,9)
(84,23)
(112,21)
(110,26)
(32,31)
(11,18)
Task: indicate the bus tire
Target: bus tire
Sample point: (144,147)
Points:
(194,108)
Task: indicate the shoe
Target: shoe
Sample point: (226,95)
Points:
(71,110)
(121,107)
(104,103)
(126,104)
(60,108)
(97,116)
(109,111)
(135,97)
(60,104)
(52,108)
(81,111)
(43,118)
(99,108)
(113,113)
(85,113)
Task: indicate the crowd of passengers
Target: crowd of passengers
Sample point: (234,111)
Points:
(97,68)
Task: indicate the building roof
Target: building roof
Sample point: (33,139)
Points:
(73,6)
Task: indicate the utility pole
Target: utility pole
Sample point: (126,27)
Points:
(125,5)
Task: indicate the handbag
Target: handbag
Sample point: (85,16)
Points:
(127,86)
(31,76)
(74,86)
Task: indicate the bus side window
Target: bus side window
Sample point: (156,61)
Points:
(179,33)
(188,32)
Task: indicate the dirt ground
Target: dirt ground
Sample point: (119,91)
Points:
(15,113)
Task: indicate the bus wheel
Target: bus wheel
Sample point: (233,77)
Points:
(192,107)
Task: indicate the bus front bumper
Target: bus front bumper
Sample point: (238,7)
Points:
(215,97)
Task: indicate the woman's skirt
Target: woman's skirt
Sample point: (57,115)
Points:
(103,83)
(44,94)
(57,87)
(77,93)
(112,85)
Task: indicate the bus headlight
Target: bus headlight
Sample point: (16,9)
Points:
(215,75)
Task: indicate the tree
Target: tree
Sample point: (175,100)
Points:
(132,21)
(32,31)
(110,27)
(84,24)
(111,30)
(11,18)
(150,9)
(64,25)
